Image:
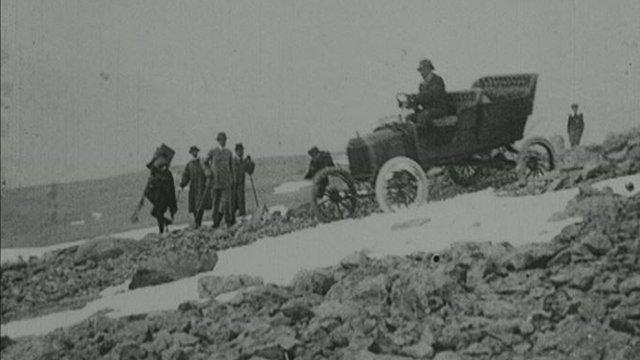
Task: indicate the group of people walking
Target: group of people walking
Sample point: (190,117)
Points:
(216,183)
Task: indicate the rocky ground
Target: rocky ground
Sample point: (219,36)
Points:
(71,277)
(618,155)
(577,296)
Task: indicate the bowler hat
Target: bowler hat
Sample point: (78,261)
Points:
(221,135)
(425,63)
(193,149)
(313,150)
(239,146)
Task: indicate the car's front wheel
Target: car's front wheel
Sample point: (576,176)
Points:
(333,195)
(401,183)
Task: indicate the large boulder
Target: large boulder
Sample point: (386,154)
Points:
(420,291)
(576,158)
(105,248)
(532,256)
(314,281)
(212,286)
(596,167)
(172,266)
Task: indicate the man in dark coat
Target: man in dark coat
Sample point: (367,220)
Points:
(575,126)
(220,160)
(319,161)
(431,100)
(242,166)
(161,192)
(199,197)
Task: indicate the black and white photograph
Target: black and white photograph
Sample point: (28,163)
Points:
(320,179)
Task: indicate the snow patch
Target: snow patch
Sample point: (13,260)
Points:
(291,186)
(77,223)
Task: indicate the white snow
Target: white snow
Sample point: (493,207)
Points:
(77,223)
(291,186)
(96,215)
(480,216)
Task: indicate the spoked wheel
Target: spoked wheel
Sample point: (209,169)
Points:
(537,158)
(401,183)
(333,195)
(463,175)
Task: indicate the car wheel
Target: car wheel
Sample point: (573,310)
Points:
(401,183)
(333,195)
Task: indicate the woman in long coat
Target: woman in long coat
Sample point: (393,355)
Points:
(161,192)
(195,176)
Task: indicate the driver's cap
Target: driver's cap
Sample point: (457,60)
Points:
(425,63)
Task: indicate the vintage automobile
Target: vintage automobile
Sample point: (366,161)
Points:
(391,162)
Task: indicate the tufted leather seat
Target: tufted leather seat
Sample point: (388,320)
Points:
(514,86)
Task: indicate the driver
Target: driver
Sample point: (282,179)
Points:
(430,102)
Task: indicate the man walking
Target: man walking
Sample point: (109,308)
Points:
(220,160)
(199,196)
(242,166)
(575,126)
(160,191)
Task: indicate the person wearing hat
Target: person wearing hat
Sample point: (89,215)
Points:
(319,161)
(575,126)
(431,100)
(194,176)
(220,160)
(161,192)
(242,165)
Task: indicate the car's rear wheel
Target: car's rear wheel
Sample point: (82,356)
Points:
(401,183)
(333,195)
(537,158)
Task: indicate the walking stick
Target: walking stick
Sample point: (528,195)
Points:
(255,196)
(135,217)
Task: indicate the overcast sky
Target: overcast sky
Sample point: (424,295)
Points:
(91,87)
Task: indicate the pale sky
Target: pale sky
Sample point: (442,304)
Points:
(91,87)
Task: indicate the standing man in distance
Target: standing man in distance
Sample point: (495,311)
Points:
(242,166)
(199,196)
(220,160)
(575,126)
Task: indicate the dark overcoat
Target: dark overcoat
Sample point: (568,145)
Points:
(242,166)
(161,192)
(432,94)
(199,195)
(319,162)
(575,128)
